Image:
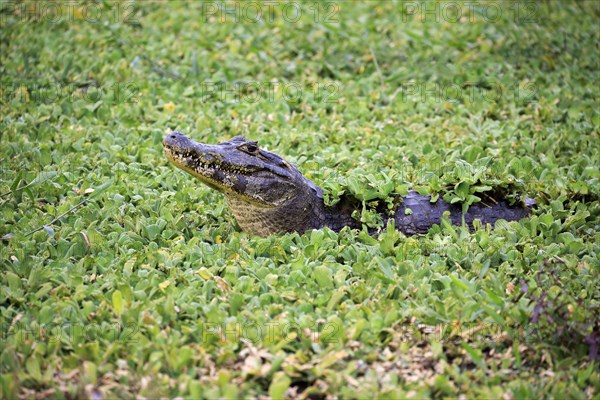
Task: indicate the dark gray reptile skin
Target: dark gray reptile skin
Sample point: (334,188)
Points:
(425,214)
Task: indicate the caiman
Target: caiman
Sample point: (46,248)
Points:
(268,195)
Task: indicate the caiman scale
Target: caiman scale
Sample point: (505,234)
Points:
(268,195)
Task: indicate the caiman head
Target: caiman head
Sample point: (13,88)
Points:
(265,193)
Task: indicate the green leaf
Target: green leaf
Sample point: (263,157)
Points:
(49,231)
(152,231)
(117,300)
(474,354)
(482,188)
(279,385)
(323,276)
(42,177)
(33,368)
(337,296)
(462,190)
(385,267)
(459,283)
(493,314)
(195,388)
(546,220)
(14,282)
(93,107)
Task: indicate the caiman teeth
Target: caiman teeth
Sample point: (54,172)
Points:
(191,158)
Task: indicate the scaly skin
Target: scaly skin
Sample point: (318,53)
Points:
(268,195)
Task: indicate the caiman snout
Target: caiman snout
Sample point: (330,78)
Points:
(176,140)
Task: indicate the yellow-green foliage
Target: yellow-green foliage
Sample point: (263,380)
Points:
(123,277)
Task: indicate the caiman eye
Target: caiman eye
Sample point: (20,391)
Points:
(250,148)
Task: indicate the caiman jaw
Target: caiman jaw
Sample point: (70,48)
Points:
(204,164)
(202,168)
(193,165)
